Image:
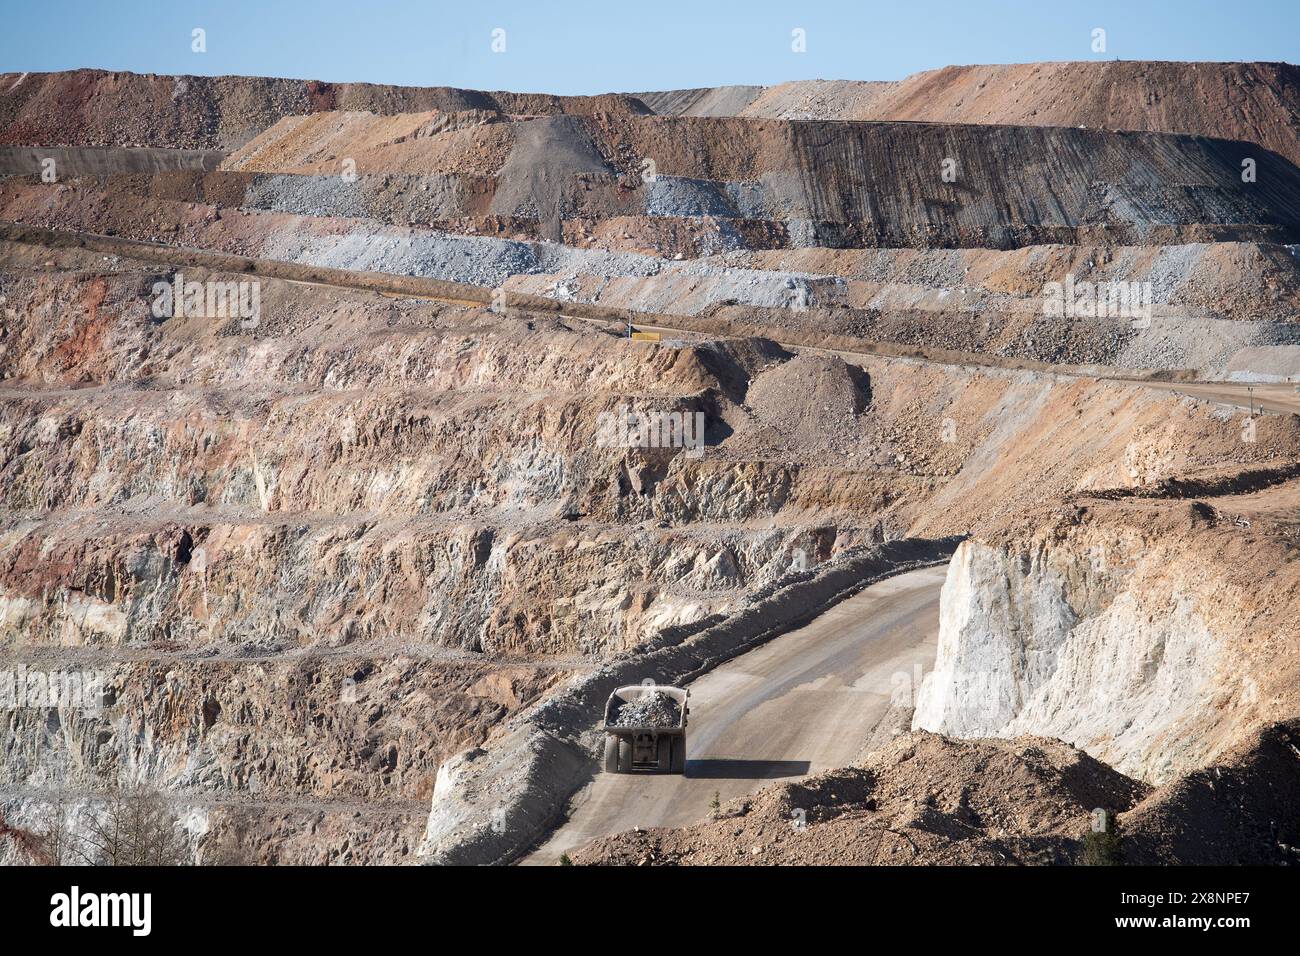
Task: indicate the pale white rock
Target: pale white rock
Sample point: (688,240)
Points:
(1047,643)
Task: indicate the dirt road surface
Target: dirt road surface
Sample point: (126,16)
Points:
(802,703)
(1277,398)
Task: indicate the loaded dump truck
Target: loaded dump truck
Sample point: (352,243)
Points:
(645,727)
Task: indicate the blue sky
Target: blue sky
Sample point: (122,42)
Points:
(590,47)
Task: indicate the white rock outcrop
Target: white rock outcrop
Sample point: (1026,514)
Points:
(1118,662)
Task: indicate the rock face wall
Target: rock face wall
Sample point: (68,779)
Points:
(1129,643)
(1039,640)
(185,520)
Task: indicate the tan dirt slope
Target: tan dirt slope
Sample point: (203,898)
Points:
(1255,102)
(102,108)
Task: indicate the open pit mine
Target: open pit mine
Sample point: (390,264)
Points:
(933,444)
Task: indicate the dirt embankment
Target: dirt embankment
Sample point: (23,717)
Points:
(927,800)
(101,108)
(1254,102)
(923,799)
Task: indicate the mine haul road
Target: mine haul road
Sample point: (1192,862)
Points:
(802,703)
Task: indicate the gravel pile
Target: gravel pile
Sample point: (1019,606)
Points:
(682,196)
(1213,346)
(812,400)
(306,195)
(489,262)
(391,197)
(483,262)
(655,709)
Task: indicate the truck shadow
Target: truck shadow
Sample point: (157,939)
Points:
(724,769)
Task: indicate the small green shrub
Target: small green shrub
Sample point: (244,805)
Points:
(1103,843)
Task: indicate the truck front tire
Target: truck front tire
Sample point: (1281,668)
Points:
(611,754)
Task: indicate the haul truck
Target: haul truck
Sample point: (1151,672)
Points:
(648,749)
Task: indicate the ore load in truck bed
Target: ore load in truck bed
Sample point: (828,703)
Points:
(654,709)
